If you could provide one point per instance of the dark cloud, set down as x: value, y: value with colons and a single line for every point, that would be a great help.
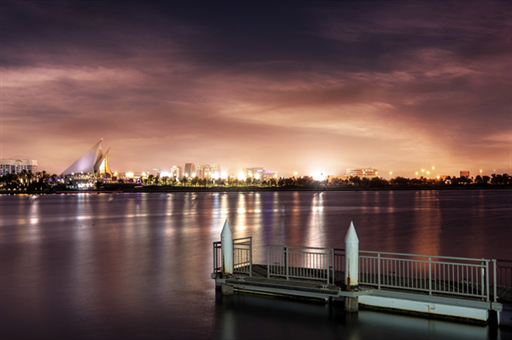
x: 290, y: 86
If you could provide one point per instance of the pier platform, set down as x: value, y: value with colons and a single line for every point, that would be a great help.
x: 471, y: 290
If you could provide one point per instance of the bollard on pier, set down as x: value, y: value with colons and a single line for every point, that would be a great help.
x: 227, y: 250
x: 351, y: 267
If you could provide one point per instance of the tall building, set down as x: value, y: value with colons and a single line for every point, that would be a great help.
x: 367, y: 172
x: 200, y: 170
x: 176, y: 171
x: 13, y: 165
x: 190, y: 170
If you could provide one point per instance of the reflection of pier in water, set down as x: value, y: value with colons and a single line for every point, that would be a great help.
x: 473, y: 289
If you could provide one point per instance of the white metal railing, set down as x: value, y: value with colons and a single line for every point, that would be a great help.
x: 242, y: 256
x: 432, y: 274
x: 300, y: 263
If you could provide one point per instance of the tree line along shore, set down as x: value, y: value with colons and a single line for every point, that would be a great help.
x: 42, y: 182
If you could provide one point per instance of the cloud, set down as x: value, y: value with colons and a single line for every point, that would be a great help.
x: 341, y: 84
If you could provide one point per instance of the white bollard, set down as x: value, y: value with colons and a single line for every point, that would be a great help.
x: 351, y: 257
x: 226, y: 238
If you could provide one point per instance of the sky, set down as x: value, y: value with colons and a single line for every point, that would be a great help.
x: 289, y: 86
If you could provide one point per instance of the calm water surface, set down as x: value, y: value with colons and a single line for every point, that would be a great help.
x: 138, y: 265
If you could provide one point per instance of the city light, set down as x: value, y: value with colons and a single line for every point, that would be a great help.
x: 257, y: 176
x: 224, y: 175
x: 319, y: 176
x: 165, y: 174
x: 241, y: 176
x: 130, y: 174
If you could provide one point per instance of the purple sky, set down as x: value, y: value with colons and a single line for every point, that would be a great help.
x: 293, y: 86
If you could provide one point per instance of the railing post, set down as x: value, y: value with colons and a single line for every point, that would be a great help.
x: 286, y: 262
x: 268, y: 262
x: 495, y: 291
x: 482, y: 274
x: 378, y: 269
x: 250, y: 256
x: 487, y: 279
x: 327, y: 252
x: 429, y: 275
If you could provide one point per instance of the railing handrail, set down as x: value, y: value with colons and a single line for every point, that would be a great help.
x: 283, y: 246
x: 428, y: 256
x: 238, y: 240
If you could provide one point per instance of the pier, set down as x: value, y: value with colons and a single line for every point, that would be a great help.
x: 476, y: 290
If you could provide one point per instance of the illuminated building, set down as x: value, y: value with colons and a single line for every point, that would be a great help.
x: 259, y: 173
x: 190, y: 169
x: 464, y: 174
x: 367, y: 172
x: 176, y: 171
x: 208, y: 171
x: 13, y: 165
x: 93, y: 162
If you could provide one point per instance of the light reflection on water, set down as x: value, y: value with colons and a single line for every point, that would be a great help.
x: 138, y: 265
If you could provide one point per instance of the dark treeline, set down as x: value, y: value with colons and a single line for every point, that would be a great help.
x: 26, y: 181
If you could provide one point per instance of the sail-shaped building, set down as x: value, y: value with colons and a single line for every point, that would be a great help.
x: 93, y: 162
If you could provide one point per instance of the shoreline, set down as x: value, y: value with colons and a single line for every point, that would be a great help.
x: 169, y: 189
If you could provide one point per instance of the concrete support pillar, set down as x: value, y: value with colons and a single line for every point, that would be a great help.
x: 227, y: 290
x: 351, y: 304
x: 226, y: 238
x: 351, y: 267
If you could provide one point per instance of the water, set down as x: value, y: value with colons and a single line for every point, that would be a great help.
x: 138, y: 265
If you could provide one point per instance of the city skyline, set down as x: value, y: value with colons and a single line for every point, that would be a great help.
x: 293, y: 87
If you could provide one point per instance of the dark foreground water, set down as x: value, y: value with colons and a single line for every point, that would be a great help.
x: 138, y: 265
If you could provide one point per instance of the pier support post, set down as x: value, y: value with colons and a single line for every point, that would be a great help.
x: 351, y: 267
x: 226, y: 238
x: 227, y: 290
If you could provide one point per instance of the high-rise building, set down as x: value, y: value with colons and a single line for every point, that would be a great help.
x: 367, y: 172
x: 200, y: 170
x: 13, y: 165
x: 176, y: 171
x: 190, y: 170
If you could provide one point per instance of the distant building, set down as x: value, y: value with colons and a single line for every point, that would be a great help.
x: 176, y: 171
x: 367, y: 172
x: 464, y: 173
x: 214, y: 171
x: 13, y: 165
x: 190, y: 170
x: 259, y: 173
x: 93, y: 162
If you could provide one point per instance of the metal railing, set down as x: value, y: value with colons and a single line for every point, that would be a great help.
x: 432, y: 274
x: 242, y: 256
x: 300, y: 263
x: 503, y: 279
x: 217, y: 257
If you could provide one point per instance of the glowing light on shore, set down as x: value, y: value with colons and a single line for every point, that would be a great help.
x: 130, y: 174
x: 241, y: 176
x: 224, y: 175
x: 319, y: 176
